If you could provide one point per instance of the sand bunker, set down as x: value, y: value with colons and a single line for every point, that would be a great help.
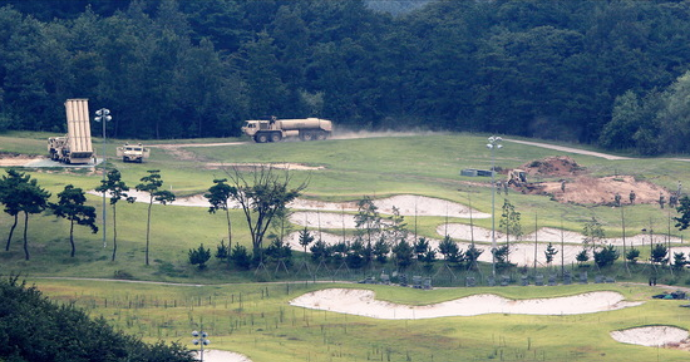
x: 281, y: 166
x: 521, y: 254
x: 212, y: 355
x: 545, y: 235
x: 407, y: 205
x: 362, y: 303
x: 652, y: 336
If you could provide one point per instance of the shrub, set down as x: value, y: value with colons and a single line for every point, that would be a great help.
x: 199, y: 256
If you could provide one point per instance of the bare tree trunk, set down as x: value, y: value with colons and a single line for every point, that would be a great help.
x: 26, y: 240
x: 9, y: 238
x: 227, y: 215
x: 71, y: 237
x: 114, y: 232
x: 148, y: 230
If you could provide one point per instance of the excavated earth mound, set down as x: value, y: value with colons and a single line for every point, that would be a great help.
x: 553, y: 167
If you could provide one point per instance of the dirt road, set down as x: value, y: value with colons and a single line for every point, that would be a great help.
x: 571, y: 150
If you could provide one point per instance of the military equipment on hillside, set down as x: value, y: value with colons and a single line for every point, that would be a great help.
x: 133, y: 153
x: 75, y: 146
x: 518, y: 179
x: 274, y: 130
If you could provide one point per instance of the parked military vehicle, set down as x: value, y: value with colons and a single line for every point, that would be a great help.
x: 275, y: 130
x: 75, y: 147
x: 133, y: 153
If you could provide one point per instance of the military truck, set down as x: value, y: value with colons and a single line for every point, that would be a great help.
x: 275, y: 130
x: 133, y: 153
x: 75, y: 147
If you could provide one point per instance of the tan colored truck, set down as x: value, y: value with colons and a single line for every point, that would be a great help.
x: 133, y: 153
x: 75, y: 147
x: 275, y: 130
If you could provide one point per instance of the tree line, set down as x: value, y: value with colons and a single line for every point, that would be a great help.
x: 609, y: 73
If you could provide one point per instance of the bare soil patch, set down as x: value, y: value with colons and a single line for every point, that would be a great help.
x: 575, y: 186
x: 588, y: 190
x: 554, y: 166
x: 11, y: 159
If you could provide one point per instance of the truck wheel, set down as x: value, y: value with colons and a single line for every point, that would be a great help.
x: 321, y: 136
x: 276, y: 137
x: 307, y: 136
x: 261, y: 138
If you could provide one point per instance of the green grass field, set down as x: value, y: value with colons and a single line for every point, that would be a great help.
x: 263, y: 325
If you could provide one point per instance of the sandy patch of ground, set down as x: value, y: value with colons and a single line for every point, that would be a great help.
x: 544, y: 235
x: 652, y: 336
x: 363, y: 303
x: 212, y: 355
x: 583, y: 189
x: 10, y: 159
x: 281, y: 166
x: 408, y: 205
x: 570, y: 150
x: 588, y: 190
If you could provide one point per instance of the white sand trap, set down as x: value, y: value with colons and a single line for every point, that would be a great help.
x: 544, y: 235
x: 280, y: 166
x: 650, y: 336
x: 212, y: 355
x: 361, y: 302
x: 407, y: 205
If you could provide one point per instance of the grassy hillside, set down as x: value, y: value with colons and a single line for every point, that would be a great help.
x: 426, y: 164
x: 255, y: 319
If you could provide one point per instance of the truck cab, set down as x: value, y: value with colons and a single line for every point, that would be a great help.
x: 251, y: 127
x: 263, y: 131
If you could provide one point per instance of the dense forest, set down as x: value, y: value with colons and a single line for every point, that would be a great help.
x: 35, y: 329
x: 609, y: 73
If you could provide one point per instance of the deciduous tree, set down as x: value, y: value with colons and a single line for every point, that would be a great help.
x: 510, y: 222
x: 262, y: 195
